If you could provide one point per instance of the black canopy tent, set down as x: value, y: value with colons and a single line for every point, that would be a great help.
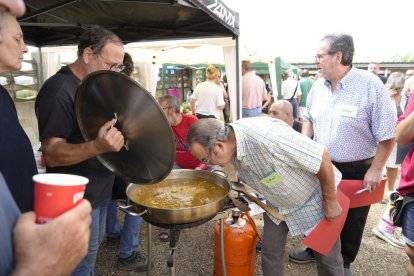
x: 54, y: 23
x: 57, y: 23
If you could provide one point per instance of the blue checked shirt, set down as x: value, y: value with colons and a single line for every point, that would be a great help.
x: 266, y: 146
x: 351, y: 121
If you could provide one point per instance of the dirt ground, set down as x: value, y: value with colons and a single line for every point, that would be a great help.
x: 194, y: 255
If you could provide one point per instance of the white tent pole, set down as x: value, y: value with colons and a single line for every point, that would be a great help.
x: 230, y: 62
x: 272, y: 73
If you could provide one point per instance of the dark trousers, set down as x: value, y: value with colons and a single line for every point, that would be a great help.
x: 202, y: 116
x: 294, y: 103
x: 351, y: 235
x: 273, y: 253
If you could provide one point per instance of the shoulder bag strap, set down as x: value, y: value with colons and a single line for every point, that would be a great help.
x: 294, y: 93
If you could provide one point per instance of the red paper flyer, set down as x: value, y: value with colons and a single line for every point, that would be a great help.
x: 325, y: 234
x: 350, y: 187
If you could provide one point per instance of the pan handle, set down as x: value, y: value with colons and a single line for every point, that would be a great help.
x: 220, y: 172
x: 125, y: 210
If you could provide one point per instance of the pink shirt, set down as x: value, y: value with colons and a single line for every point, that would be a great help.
x: 406, y: 185
x: 253, y: 91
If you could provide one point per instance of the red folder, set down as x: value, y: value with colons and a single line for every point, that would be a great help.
x: 326, y: 233
x: 350, y: 187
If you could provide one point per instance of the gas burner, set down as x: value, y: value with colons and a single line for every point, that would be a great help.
x: 179, y: 226
x: 175, y: 231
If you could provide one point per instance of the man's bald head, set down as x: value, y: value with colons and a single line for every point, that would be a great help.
x: 282, y: 110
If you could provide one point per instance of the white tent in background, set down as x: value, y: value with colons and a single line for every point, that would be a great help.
x: 150, y: 56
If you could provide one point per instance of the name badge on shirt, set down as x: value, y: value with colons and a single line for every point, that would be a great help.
x: 349, y: 111
x: 271, y: 180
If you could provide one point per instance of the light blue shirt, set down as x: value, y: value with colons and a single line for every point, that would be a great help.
x: 354, y: 118
x: 266, y: 146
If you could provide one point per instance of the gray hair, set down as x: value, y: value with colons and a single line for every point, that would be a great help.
x: 343, y: 43
x: 207, y: 132
x: 395, y: 81
x: 172, y: 102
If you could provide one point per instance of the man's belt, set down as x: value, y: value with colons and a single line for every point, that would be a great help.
x: 354, y: 164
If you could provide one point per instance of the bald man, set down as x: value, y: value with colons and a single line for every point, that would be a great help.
x: 283, y: 110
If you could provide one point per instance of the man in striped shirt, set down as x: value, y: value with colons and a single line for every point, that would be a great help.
x: 291, y: 171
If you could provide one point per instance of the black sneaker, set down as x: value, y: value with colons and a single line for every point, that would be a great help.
x: 303, y: 257
x: 135, y: 262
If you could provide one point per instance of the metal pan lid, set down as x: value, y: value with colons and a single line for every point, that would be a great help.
x: 150, y: 148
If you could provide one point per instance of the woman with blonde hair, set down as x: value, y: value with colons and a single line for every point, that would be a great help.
x: 208, y: 95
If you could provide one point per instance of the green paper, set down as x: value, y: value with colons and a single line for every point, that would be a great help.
x: 271, y: 180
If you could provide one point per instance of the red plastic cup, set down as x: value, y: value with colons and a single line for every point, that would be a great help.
x: 57, y: 193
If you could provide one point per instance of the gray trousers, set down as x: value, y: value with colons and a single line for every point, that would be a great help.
x: 273, y: 252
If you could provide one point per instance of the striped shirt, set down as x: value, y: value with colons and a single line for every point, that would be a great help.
x: 353, y: 119
x: 266, y: 146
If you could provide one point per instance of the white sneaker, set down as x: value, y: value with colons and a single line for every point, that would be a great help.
x: 392, y: 238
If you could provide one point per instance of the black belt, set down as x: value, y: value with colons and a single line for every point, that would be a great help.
x: 354, y: 164
x: 202, y: 116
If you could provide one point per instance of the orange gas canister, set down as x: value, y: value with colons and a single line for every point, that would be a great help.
x: 239, y: 247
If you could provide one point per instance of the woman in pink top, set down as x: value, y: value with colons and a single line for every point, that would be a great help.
x: 405, y: 135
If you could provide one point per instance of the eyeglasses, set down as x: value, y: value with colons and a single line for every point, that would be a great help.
x: 208, y: 159
x: 319, y: 56
x: 113, y: 66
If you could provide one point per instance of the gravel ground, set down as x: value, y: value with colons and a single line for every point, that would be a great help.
x: 195, y: 252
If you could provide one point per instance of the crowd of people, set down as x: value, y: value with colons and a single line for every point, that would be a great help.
x: 358, y: 133
x: 316, y: 134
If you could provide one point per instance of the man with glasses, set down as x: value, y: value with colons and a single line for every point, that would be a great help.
x: 291, y: 171
x: 180, y: 123
x: 351, y: 113
x: 63, y: 147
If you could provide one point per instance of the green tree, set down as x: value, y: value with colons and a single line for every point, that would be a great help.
x: 407, y: 58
